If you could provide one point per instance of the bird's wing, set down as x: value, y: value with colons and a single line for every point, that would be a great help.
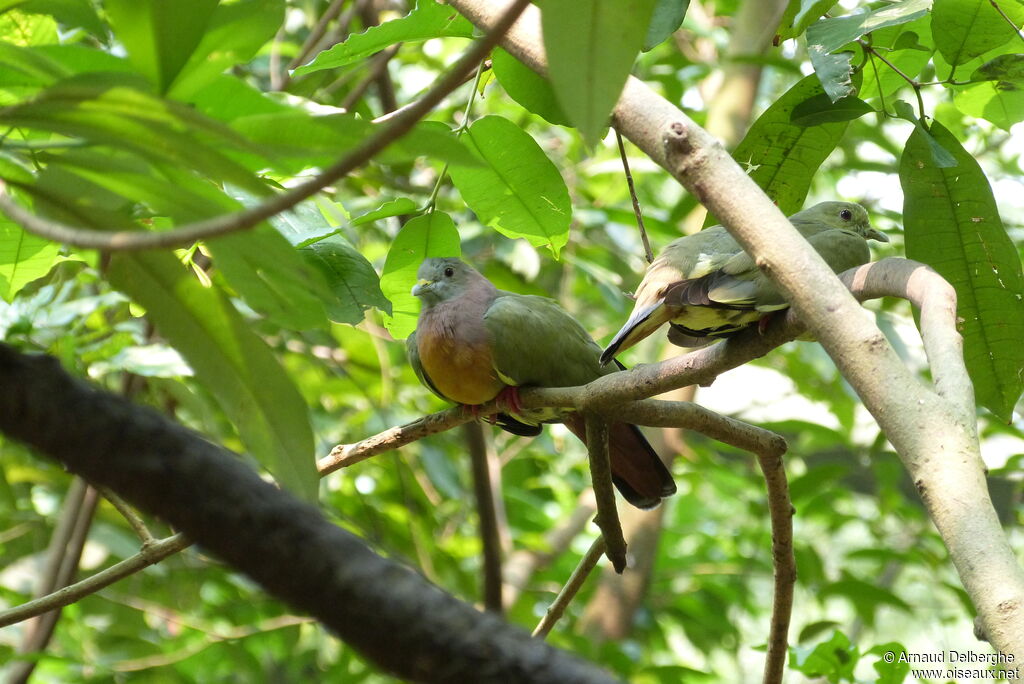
x: 536, y: 342
x: 412, y: 351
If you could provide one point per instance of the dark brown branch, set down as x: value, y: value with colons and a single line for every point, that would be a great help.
x: 490, y: 539
x: 387, y: 612
x: 604, y: 491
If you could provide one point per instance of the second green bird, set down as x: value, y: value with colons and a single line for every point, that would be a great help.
x: 706, y: 287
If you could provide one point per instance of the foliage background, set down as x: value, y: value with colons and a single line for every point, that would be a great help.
x: 122, y: 113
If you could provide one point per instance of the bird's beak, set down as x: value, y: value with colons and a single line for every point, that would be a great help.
x: 421, y: 286
x: 873, y: 234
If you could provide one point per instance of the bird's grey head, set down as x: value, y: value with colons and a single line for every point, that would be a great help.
x: 844, y: 215
x: 439, y: 279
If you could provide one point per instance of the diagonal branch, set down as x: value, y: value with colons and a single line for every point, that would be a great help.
x: 248, y: 218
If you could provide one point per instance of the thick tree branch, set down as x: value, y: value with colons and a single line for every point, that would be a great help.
x: 935, y: 436
x: 383, y: 609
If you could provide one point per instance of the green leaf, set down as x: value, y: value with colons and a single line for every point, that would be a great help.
x: 272, y: 277
x: 783, y: 156
x: 79, y: 13
x: 951, y: 223
x: 591, y: 46
x: 835, y: 659
x: 235, y: 33
x: 1000, y: 102
x: 1005, y: 68
x: 160, y: 36
x: 800, y: 14
x: 964, y: 29
x: 821, y: 109
x: 666, y: 19
x: 430, y: 235
x: 828, y: 35
x: 395, y: 207
x: 940, y: 156
x: 891, y: 669
x: 519, y: 192
x: 908, y: 47
x: 427, y: 20
x: 350, y: 277
x: 230, y: 360
x: 23, y: 257
x: 528, y: 88
x: 835, y: 73
x: 21, y: 28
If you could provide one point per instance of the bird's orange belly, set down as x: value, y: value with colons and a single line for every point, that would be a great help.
x: 462, y: 373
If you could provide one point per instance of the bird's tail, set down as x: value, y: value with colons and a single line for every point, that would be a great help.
x: 642, y: 322
x: 637, y: 471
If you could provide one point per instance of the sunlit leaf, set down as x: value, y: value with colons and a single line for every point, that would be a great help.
x: 429, y: 235
x: 591, y: 46
x: 519, y: 192
x: 350, y: 276
x: 231, y: 361
x: 528, y: 88
x: 964, y: 29
x: 428, y: 19
x: 23, y: 257
x: 666, y: 19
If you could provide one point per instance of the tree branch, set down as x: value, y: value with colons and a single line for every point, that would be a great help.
x: 572, y: 586
x: 388, y: 613
x: 395, y: 128
x: 604, y: 492
x: 487, y: 515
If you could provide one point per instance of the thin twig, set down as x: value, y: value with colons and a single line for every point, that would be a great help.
x: 129, y: 514
x: 248, y: 218
x: 378, y: 65
x: 648, y: 254
x: 149, y: 555
x: 485, y: 496
x: 604, y: 491
x: 1016, y: 29
x: 780, y: 512
x: 572, y: 586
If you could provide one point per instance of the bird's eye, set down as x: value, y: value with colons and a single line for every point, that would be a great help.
x: 449, y: 272
x: 846, y: 214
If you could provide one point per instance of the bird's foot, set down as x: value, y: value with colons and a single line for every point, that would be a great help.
x: 475, y: 411
x: 508, y: 400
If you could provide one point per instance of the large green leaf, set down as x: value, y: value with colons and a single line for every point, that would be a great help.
x: 828, y: 35
x: 908, y: 47
x: 964, y: 29
x: 519, y: 192
x: 23, y: 257
x: 591, y: 46
x: 951, y: 223
x: 123, y: 117
x: 527, y: 87
x: 800, y: 14
x: 160, y: 36
x: 69, y: 12
x: 666, y: 19
x: 430, y: 235
x: 236, y: 32
x: 427, y: 20
x: 783, y: 156
x: 1000, y: 102
x: 350, y: 276
x: 230, y: 360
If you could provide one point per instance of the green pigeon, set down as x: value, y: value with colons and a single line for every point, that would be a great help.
x: 474, y: 343
x: 706, y: 287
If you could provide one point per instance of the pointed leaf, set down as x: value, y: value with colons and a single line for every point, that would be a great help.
x: 964, y: 29
x: 591, y: 46
x: 427, y: 20
x: 230, y: 360
x: 821, y: 109
x: 666, y: 19
x: 519, y: 192
x: 829, y: 35
x: 783, y: 156
x: 23, y: 257
x: 395, y: 207
x: 160, y: 36
x: 953, y: 225
x: 528, y: 88
x: 350, y: 277
x: 430, y: 235
x: 800, y: 14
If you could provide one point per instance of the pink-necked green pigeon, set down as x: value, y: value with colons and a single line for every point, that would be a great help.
x: 706, y: 287
x: 474, y: 342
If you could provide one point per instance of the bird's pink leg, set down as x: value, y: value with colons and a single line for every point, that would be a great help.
x: 509, y: 399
